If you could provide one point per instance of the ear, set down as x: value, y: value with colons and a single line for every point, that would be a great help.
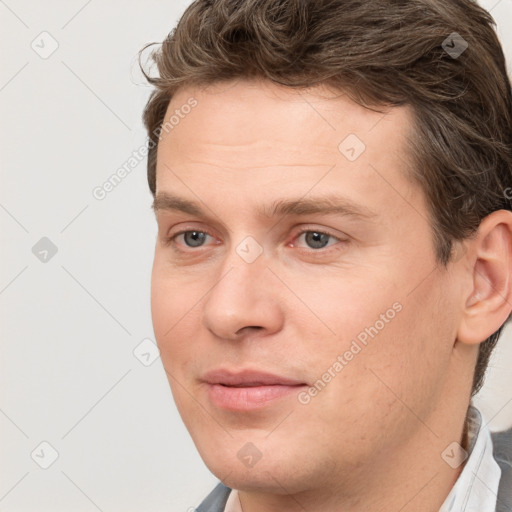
x: 490, y: 300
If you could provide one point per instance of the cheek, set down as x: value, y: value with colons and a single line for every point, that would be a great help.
x: 405, y: 363
x: 353, y: 307
x: 163, y: 303
x: 174, y: 295
x: 174, y: 320
x: 386, y: 344
x: 174, y: 310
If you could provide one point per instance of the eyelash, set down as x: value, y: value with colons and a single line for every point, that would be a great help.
x: 171, y: 240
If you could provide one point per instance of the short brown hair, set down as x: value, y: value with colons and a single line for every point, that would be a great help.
x: 382, y: 53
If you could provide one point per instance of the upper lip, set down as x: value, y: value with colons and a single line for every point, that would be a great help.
x: 248, y: 378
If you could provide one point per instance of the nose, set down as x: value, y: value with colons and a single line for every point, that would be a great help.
x: 244, y: 301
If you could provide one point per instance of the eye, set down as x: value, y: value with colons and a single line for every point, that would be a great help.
x: 317, y: 239
x: 191, y: 238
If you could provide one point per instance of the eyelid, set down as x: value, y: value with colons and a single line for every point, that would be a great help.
x: 323, y: 231
x: 179, y: 228
x: 171, y: 238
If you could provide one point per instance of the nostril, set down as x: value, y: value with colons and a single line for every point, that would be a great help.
x: 249, y: 327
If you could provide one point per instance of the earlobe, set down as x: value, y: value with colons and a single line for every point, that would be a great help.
x: 490, y: 301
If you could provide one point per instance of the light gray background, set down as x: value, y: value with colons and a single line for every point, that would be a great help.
x: 70, y: 325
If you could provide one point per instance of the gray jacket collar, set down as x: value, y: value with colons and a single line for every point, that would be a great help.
x: 502, y: 448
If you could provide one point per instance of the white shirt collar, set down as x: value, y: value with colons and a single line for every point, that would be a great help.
x: 233, y: 503
x: 476, y: 488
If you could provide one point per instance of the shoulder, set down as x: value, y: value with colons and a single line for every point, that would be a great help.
x: 216, y: 500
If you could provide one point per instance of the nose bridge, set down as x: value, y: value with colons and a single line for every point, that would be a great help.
x: 244, y: 267
x: 239, y: 283
x: 243, y: 295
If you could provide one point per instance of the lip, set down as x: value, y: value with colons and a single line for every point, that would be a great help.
x: 248, y: 390
x: 248, y: 378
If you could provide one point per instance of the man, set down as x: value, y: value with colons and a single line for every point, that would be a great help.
x: 333, y: 263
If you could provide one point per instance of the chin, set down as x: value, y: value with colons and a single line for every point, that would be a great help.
x: 275, y: 471
x: 258, y: 479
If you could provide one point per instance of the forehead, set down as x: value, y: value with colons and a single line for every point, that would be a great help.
x: 311, y: 123
x: 241, y: 135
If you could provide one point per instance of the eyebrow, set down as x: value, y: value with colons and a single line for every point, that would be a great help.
x: 284, y: 207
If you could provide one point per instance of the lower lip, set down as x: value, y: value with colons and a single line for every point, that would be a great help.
x: 248, y: 398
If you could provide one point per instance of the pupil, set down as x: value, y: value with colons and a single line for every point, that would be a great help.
x: 194, y: 238
x: 317, y: 240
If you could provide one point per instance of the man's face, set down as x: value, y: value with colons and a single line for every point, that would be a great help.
x: 302, y: 319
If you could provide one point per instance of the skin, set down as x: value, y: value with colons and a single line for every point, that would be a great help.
x: 372, y: 438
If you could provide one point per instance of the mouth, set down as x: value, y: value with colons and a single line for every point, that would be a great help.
x: 248, y: 390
